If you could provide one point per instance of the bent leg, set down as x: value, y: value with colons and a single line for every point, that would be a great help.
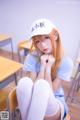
x: 55, y: 108
x: 39, y: 100
x: 24, y: 93
x: 43, y: 102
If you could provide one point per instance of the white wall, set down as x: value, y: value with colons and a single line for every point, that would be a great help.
x: 16, y: 17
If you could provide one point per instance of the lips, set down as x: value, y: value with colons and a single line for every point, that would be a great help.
x: 46, y: 49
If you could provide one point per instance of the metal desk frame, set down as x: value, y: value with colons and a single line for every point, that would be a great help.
x: 9, y: 71
x: 4, y: 40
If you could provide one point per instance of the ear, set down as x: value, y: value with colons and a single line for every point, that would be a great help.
x: 56, y: 35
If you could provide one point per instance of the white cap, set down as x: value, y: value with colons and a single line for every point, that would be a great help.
x: 41, y: 27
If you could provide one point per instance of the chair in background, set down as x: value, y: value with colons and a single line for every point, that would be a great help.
x: 75, y: 85
x: 24, y: 45
x: 13, y: 107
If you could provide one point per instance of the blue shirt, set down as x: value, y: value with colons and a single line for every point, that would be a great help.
x: 32, y: 64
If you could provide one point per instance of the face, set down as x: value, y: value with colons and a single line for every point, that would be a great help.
x: 44, y: 44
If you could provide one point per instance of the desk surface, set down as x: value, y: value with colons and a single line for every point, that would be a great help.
x: 4, y: 37
x: 8, y: 67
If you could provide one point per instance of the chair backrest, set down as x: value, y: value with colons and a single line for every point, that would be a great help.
x: 12, y: 100
x: 14, y: 112
x: 25, y: 46
x: 3, y: 99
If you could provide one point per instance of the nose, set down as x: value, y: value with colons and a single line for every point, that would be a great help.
x: 43, y: 44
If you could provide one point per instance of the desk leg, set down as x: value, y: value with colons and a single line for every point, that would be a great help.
x: 15, y: 75
x: 19, y: 56
x: 12, y: 50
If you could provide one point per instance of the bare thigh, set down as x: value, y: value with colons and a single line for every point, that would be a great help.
x: 57, y: 116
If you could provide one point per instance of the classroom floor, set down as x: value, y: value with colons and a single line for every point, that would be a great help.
x: 74, y: 107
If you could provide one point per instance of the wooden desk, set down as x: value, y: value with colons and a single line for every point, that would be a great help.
x: 8, y: 69
x: 26, y: 46
x: 4, y: 40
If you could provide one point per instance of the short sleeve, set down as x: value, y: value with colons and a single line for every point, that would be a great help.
x: 30, y: 63
x: 65, y: 69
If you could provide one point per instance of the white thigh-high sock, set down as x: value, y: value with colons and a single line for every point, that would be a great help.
x: 53, y: 105
x: 24, y: 93
x: 39, y: 100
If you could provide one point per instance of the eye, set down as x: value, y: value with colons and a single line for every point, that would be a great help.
x: 47, y: 37
x: 37, y: 41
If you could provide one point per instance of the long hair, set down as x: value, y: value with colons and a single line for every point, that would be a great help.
x: 57, y: 51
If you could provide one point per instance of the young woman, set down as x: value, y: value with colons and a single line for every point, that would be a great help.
x: 40, y: 94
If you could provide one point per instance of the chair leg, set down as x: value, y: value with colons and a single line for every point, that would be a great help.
x: 75, y: 85
x: 70, y: 90
x: 78, y: 82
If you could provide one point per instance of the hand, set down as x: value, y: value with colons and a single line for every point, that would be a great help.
x: 44, y: 59
x: 51, y: 60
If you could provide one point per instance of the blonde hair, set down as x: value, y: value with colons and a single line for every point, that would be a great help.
x: 57, y: 51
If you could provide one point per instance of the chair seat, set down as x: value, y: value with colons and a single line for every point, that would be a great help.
x: 3, y: 98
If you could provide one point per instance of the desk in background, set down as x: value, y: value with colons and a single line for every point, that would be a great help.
x: 4, y: 40
x: 8, y: 70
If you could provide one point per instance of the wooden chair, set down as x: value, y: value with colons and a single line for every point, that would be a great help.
x: 14, y: 113
x: 74, y: 87
x: 13, y: 107
x: 24, y: 45
x: 3, y: 99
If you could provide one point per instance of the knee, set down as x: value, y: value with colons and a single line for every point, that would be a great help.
x: 24, y: 83
x: 42, y: 84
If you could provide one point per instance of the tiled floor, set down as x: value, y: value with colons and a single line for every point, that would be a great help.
x: 74, y: 108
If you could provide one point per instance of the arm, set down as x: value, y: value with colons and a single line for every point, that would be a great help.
x: 30, y: 67
x: 56, y: 84
x: 48, y: 70
x: 33, y: 75
x: 48, y: 75
x: 41, y: 74
x: 63, y: 73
